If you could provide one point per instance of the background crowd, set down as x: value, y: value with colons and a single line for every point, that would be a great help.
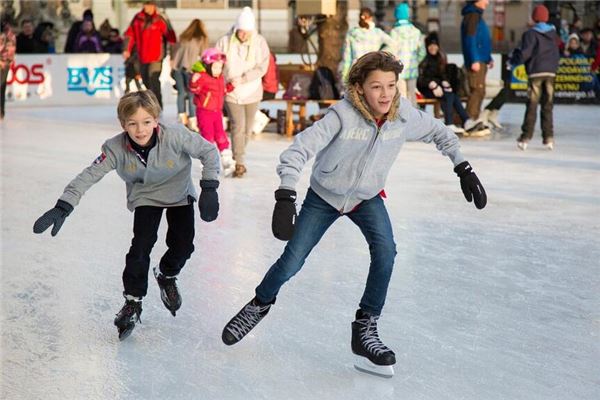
x: 249, y: 66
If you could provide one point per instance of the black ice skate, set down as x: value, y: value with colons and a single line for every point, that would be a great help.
x: 128, y: 316
x: 168, y: 290
x: 374, y: 357
x: 244, y: 321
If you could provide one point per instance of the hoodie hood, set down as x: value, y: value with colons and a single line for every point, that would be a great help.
x: 360, y: 104
x: 543, y: 27
x: 471, y: 8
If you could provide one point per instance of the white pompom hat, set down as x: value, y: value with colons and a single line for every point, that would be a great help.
x: 246, y: 20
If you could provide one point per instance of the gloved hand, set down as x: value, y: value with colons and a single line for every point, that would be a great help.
x: 209, y: 200
x: 284, y: 214
x: 447, y: 87
x: 436, y: 89
x: 55, y: 216
x: 470, y: 185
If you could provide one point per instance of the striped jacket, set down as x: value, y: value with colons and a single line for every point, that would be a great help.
x: 408, y: 48
x: 358, y: 42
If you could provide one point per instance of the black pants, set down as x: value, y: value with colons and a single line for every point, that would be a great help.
x: 3, y: 79
x: 150, y: 74
x: 498, y: 101
x: 541, y: 91
x: 180, y: 243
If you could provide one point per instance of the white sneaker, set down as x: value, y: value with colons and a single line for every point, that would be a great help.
x: 456, y: 129
x: 193, y: 124
x: 492, y: 119
x: 549, y: 146
x: 228, y: 162
x: 522, y: 145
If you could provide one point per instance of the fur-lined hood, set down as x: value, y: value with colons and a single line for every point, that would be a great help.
x: 358, y: 101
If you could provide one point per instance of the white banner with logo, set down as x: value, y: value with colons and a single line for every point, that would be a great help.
x: 72, y: 79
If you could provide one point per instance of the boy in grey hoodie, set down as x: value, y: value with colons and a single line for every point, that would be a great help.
x: 355, y: 145
x: 155, y: 162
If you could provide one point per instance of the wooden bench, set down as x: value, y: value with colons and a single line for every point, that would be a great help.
x: 298, y: 107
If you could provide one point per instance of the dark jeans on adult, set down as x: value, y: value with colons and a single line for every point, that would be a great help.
x: 451, y: 102
x: 315, y: 217
x: 184, y: 95
x: 540, y: 91
x: 476, y: 90
x: 3, y: 80
x: 241, y: 117
x: 498, y: 101
x: 180, y: 243
x: 150, y: 76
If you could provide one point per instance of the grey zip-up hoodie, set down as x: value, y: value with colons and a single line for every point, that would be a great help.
x: 353, y: 155
x: 164, y: 181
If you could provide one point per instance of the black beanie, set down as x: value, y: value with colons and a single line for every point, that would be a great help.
x: 432, y: 38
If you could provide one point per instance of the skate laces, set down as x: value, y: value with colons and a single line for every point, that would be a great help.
x: 246, y: 320
x: 130, y: 309
x: 370, y: 336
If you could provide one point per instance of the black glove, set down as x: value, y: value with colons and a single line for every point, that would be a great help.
x: 209, y: 200
x: 470, y: 185
x: 284, y: 214
x: 55, y: 216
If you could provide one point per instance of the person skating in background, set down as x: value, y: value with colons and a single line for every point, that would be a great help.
x: 408, y: 47
x: 362, y: 39
x: 477, y: 52
x: 209, y: 89
x: 433, y: 82
x: 8, y: 47
x: 155, y: 161
x: 192, y: 42
x: 148, y: 32
x: 247, y: 62
x: 347, y: 180
x: 540, y: 53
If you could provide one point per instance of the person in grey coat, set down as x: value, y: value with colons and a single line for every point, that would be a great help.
x: 155, y: 161
x: 355, y: 145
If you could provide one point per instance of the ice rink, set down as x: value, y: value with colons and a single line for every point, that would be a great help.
x: 502, y: 303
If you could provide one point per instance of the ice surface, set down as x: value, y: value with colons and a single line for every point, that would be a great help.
x: 502, y: 303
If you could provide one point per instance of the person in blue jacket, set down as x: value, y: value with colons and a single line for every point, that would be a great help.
x: 355, y: 145
x: 477, y: 52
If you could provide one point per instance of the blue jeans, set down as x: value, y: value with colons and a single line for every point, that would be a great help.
x: 316, y: 216
x: 182, y: 84
x: 451, y: 102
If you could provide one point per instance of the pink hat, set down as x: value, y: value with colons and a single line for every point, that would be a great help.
x: 212, y: 55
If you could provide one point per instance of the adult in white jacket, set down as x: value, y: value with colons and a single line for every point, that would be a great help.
x: 247, y: 62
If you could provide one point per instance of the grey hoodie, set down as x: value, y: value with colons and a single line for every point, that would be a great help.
x: 353, y: 155
x: 165, y: 181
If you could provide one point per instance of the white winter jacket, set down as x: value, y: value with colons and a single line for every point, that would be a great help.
x: 248, y: 61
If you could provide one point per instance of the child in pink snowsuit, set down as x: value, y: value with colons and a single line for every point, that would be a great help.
x: 209, y: 88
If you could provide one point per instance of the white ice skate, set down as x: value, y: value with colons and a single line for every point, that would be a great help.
x: 228, y: 162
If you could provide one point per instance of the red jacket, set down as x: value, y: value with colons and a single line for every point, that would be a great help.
x: 209, y: 92
x: 270, y: 81
x: 148, y: 32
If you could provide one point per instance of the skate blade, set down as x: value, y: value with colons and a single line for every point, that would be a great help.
x: 363, y: 364
x: 124, y: 333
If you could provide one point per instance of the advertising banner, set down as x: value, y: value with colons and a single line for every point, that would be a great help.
x: 575, y: 82
x: 71, y: 79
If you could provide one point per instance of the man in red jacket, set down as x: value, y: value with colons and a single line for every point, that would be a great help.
x: 149, y: 31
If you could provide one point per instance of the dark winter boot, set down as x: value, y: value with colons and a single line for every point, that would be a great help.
x: 130, y: 314
x: 244, y: 321
x: 374, y: 356
x: 168, y: 290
